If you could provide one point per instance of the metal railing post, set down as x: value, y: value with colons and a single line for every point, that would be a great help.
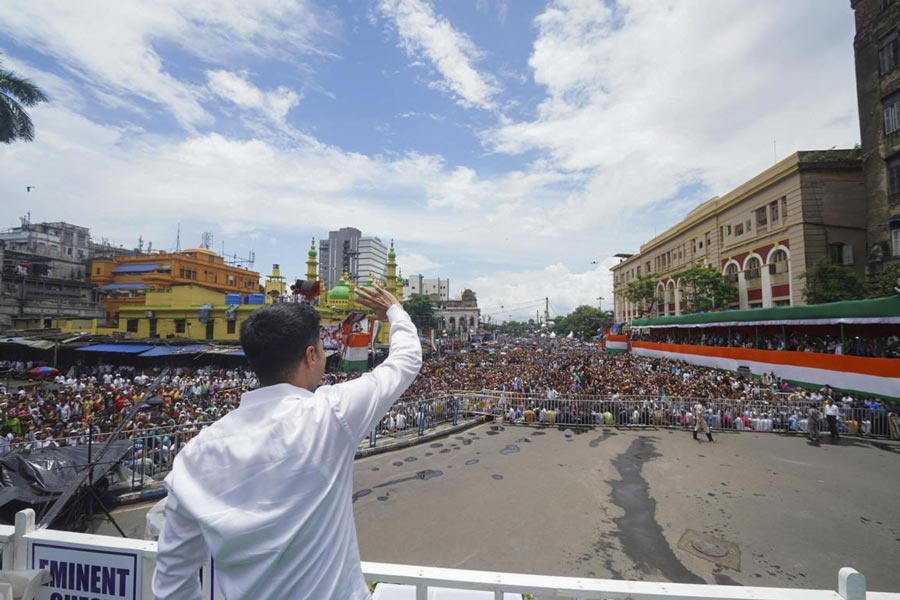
x: 372, y: 437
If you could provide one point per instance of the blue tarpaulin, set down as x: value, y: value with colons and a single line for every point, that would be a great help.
x: 123, y: 286
x: 176, y: 350
x: 119, y: 348
x: 137, y: 268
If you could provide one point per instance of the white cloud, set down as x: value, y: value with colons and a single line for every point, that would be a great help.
x: 653, y: 96
x: 115, y: 46
x: 516, y: 295
x: 237, y: 89
x: 451, y: 52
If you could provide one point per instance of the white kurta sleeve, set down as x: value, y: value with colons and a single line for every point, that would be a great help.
x: 181, y: 552
x: 362, y: 402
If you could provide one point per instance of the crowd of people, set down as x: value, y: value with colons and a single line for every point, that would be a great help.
x: 873, y: 346
x: 558, y: 381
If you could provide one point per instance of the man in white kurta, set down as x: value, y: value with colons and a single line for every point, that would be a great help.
x: 267, y: 490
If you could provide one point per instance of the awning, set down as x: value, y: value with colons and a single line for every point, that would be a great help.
x: 116, y: 348
x: 175, y: 350
x: 229, y: 350
x: 137, y: 268
x: 39, y: 344
x: 123, y: 286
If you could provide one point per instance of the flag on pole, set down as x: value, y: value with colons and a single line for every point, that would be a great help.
x: 374, y: 330
x: 356, y: 353
x: 347, y: 325
x: 431, y: 339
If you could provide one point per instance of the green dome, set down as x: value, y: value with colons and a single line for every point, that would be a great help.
x: 312, y: 253
x: 340, y: 292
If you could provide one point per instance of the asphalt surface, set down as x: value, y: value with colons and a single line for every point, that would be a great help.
x: 652, y: 505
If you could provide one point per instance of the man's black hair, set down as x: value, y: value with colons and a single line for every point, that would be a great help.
x: 275, y: 338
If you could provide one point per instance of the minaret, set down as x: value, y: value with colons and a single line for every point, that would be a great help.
x: 399, y: 285
x: 391, y: 276
x: 312, y: 265
x: 275, y: 285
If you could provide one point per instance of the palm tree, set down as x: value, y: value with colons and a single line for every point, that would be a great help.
x: 14, y: 93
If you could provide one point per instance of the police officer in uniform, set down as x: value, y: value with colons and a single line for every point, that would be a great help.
x: 700, y: 420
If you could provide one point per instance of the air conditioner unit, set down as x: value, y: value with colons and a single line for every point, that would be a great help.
x: 148, y: 314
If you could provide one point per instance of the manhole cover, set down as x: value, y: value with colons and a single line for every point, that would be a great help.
x: 709, y: 548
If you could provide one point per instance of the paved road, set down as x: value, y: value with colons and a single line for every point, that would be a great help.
x: 751, y: 509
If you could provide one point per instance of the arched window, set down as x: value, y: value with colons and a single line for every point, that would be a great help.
x: 778, y: 262
x: 731, y: 273
x: 751, y: 268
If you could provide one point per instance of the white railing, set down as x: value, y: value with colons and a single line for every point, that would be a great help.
x: 82, y: 562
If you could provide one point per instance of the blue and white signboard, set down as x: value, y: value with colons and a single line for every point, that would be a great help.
x: 87, y: 572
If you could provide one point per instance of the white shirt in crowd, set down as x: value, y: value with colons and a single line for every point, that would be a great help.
x: 275, y: 509
x: 831, y: 410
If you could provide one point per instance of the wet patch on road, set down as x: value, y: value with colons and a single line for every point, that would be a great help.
x: 446, y: 451
x: 361, y: 494
x: 510, y: 449
x: 538, y: 433
x: 436, y: 445
x: 397, y: 463
x: 641, y: 536
x: 596, y: 442
x: 419, y: 476
x: 376, y: 469
x: 410, y: 459
x: 472, y: 461
x: 497, y: 477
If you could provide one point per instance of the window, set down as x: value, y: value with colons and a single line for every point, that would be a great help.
x: 131, y: 325
x: 751, y: 268
x: 887, y: 53
x: 840, y: 253
x: 893, y: 175
x: 748, y: 225
x: 180, y: 326
x: 98, y: 270
x: 739, y: 229
x: 761, y: 217
x: 891, y: 113
x: 773, y: 209
x: 231, y: 326
x: 778, y: 262
x: 731, y: 273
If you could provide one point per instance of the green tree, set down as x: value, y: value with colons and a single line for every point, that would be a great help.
x: 516, y: 328
x: 890, y: 281
x: 421, y: 311
x: 830, y: 282
x: 16, y: 92
x: 642, y: 292
x: 704, y: 289
x: 585, y: 322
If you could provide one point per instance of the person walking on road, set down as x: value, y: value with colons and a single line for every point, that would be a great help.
x: 831, y: 415
x: 813, y: 415
x: 700, y: 423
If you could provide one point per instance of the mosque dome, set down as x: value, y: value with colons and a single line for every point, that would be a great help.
x: 342, y: 290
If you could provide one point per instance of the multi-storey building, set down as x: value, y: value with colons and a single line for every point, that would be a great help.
x: 762, y: 235
x: 58, y: 249
x: 436, y: 289
x: 371, y: 260
x: 339, y: 254
x: 125, y: 279
x: 37, y: 298
x: 877, y: 49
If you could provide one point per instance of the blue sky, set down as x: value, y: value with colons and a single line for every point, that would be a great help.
x: 512, y: 146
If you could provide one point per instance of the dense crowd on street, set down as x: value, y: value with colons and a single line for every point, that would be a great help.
x: 550, y: 381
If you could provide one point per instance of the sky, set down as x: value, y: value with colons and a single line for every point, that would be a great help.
x: 512, y: 146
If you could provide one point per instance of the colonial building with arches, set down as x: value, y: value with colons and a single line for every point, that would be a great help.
x: 761, y: 236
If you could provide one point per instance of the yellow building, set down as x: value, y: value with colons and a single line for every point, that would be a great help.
x: 197, y: 312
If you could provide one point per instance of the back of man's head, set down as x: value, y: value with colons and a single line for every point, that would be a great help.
x: 275, y: 338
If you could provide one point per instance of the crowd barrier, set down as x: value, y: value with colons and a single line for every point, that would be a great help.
x: 154, y: 449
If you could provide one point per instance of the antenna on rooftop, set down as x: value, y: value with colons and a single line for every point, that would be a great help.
x: 236, y: 261
x: 178, y: 239
x: 206, y: 240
